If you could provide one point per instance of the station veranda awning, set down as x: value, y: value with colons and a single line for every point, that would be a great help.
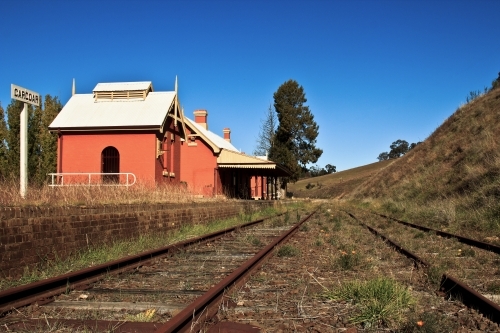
x: 228, y: 159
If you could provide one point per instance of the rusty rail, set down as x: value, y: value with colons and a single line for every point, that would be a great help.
x: 203, y: 308
x: 41, y: 292
x: 416, y: 259
x: 465, y: 240
x: 471, y: 298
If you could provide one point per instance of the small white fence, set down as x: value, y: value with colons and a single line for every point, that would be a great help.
x: 92, y: 179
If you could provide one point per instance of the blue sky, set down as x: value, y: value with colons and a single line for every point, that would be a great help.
x: 373, y: 71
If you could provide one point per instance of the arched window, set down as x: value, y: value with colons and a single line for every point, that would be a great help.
x: 110, y: 163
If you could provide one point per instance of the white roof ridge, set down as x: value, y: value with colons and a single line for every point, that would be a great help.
x: 123, y: 86
x: 217, y: 140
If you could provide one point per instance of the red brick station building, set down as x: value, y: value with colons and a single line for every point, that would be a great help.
x: 128, y: 128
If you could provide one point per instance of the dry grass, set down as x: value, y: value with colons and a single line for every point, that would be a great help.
x: 335, y: 185
x: 452, y: 178
x: 96, y: 195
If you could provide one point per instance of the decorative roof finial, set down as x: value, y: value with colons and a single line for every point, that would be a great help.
x: 176, y: 85
x: 73, y: 90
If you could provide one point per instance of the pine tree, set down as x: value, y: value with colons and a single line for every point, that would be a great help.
x: 13, y: 138
x: 267, y: 133
x: 34, y: 152
x: 47, y: 140
x: 295, y: 144
x: 3, y: 145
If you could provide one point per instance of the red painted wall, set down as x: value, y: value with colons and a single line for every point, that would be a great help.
x: 81, y: 152
x: 198, y: 166
x: 170, y: 159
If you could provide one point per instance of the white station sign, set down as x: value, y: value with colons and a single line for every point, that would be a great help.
x: 24, y: 95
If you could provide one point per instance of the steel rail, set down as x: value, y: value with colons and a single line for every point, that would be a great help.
x: 416, y: 259
x: 465, y: 240
x: 452, y: 286
x: 42, y: 292
x: 471, y: 298
x: 206, y: 306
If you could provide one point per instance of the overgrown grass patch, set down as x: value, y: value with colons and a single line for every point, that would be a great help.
x: 380, y: 302
x: 318, y: 242
x: 336, y: 222
x: 434, y: 274
x: 288, y: 250
x: 304, y: 227
x: 255, y: 241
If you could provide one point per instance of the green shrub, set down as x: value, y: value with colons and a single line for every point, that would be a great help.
x: 288, y: 251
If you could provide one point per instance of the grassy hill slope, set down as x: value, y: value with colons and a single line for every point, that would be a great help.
x: 335, y: 185
x: 453, y: 177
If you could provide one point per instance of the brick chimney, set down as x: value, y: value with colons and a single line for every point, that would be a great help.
x: 200, y: 117
x: 227, y: 134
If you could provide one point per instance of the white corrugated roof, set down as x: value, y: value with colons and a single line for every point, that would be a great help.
x: 82, y: 111
x: 123, y: 86
x: 216, y: 140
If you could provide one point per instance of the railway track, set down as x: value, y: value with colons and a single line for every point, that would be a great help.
x: 461, y: 265
x: 172, y: 289
x: 286, y: 294
x: 295, y: 291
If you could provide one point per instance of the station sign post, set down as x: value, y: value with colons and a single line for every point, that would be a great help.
x: 28, y: 97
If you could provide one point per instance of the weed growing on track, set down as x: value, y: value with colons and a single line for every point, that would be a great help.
x: 254, y: 240
x: 493, y: 287
x: 380, y: 301
x: 288, y: 250
x: 277, y: 222
x: 434, y: 274
x: 287, y: 217
x: 144, y: 317
x: 336, y: 222
x: 348, y: 260
x: 467, y: 252
x: 107, y: 252
x: 419, y: 234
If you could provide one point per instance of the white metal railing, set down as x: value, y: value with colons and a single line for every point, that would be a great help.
x: 58, y: 179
